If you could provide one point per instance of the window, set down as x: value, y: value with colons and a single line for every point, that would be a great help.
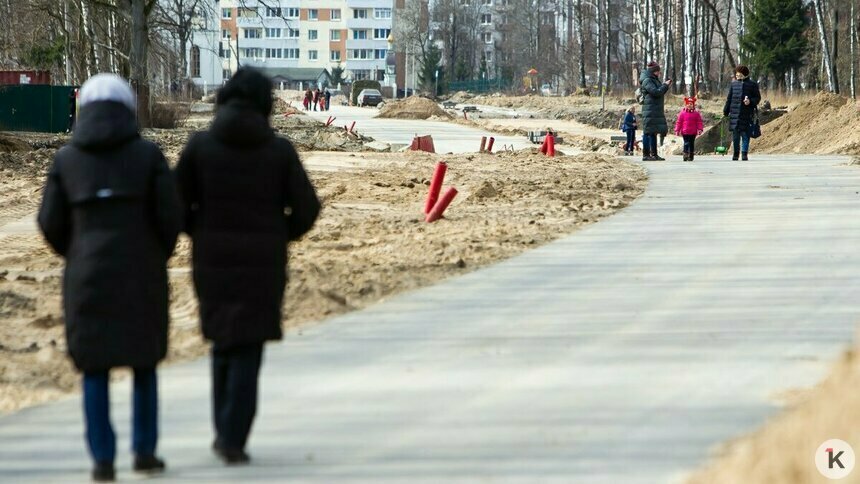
x: 225, y: 74
x: 272, y: 33
x: 292, y: 13
x: 381, y: 34
x: 359, y: 35
x: 226, y: 53
x: 488, y: 55
x: 252, y: 52
x: 195, y: 61
x: 253, y: 33
x: 380, y: 75
x: 335, y: 56
x: 273, y: 12
x: 380, y: 53
x: 361, y: 75
x: 226, y: 34
x: 292, y: 33
x: 313, y: 14
x: 312, y: 55
x: 247, y: 12
x: 487, y: 37
x: 274, y: 54
x: 335, y: 36
x: 360, y: 54
x: 381, y: 13
x: 291, y: 53
x: 359, y: 13
x: 313, y: 35
x: 227, y: 13
x: 488, y: 3
x: 335, y: 14
x: 486, y: 19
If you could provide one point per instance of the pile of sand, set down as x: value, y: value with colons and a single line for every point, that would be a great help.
x: 283, y: 107
x: 371, y: 242
x: 824, y: 124
x: 412, y: 108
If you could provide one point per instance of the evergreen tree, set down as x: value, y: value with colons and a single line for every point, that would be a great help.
x: 775, y: 40
x: 427, y: 73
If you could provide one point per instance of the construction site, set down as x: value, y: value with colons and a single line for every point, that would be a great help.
x: 373, y: 247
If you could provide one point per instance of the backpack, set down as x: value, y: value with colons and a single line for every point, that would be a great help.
x: 640, y: 95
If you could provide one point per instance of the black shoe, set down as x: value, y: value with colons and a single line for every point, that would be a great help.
x: 231, y: 457
x: 691, y: 157
x: 647, y: 158
x: 686, y: 156
x: 735, y: 156
x: 104, y: 473
x: 744, y: 157
x: 148, y: 464
x: 658, y: 158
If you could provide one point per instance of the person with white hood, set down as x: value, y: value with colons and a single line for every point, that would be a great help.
x: 110, y: 208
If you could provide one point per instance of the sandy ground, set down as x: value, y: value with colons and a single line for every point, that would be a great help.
x: 782, y: 450
x: 370, y: 243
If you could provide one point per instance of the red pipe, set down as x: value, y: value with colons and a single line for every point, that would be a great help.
x: 490, y: 144
x: 435, y: 186
x: 550, y: 145
x: 351, y: 127
x: 483, y: 144
x: 441, y: 205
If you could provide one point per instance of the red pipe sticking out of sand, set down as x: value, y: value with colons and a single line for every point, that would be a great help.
x: 441, y: 205
x: 435, y: 186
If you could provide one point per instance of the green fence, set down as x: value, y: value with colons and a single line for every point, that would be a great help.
x: 480, y: 86
x: 37, y: 108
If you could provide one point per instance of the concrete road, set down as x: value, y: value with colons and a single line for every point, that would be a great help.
x: 447, y: 137
x: 622, y: 353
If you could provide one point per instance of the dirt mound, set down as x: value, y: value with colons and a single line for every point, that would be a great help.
x: 10, y: 143
x: 412, y: 108
x: 308, y: 134
x: 599, y: 119
x: 284, y: 107
x: 826, y: 123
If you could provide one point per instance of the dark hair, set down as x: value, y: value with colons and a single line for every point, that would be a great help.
x: 743, y: 70
x: 251, y: 86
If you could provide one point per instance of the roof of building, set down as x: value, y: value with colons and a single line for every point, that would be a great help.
x: 296, y: 73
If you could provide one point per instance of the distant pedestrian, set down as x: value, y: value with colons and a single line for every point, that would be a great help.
x: 653, y: 110
x: 628, y: 126
x: 73, y: 109
x: 309, y: 96
x: 110, y: 208
x: 327, y: 100
x: 689, y: 125
x: 741, y: 104
x: 245, y: 196
x: 316, y: 98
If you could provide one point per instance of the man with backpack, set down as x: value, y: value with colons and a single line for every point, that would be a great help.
x: 651, y: 94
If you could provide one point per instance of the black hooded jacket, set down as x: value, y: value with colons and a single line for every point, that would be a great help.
x: 110, y: 208
x: 245, y: 196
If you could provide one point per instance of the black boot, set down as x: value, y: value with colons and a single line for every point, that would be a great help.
x: 104, y: 473
x: 692, y: 155
x: 229, y: 456
x: 655, y: 156
x: 148, y: 464
x: 736, y: 155
x: 744, y: 156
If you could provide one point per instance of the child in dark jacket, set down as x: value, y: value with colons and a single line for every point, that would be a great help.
x: 689, y: 125
x: 628, y: 126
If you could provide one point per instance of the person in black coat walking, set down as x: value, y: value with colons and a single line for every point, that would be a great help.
x: 741, y: 103
x: 110, y: 208
x: 245, y: 196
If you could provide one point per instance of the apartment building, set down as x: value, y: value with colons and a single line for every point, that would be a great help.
x: 294, y: 41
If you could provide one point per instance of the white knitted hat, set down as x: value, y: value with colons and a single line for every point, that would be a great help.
x: 107, y: 87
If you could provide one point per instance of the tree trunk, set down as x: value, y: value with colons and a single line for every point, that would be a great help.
x: 740, y: 24
x: 852, y: 37
x: 580, y: 38
x: 607, y: 45
x: 825, y: 47
x: 139, y: 75
x: 834, y: 25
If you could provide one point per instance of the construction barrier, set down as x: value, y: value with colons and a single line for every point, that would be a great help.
x: 423, y: 143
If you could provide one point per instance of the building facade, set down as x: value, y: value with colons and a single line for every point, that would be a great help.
x: 296, y: 39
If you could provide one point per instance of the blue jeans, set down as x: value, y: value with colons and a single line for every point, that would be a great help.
x: 649, y: 144
x: 631, y: 140
x: 742, y: 139
x: 100, y: 435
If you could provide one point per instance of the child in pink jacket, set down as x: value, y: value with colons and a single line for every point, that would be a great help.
x: 689, y: 125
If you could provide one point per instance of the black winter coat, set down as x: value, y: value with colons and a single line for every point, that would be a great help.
x: 739, y: 113
x: 246, y: 196
x: 110, y: 208
x: 653, y: 115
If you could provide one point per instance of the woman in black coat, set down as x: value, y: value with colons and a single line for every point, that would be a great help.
x: 741, y: 103
x: 110, y: 208
x: 245, y: 196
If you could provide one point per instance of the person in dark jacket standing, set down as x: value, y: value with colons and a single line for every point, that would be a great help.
x: 653, y: 110
x: 316, y: 98
x: 628, y: 126
x: 327, y: 99
x: 741, y: 104
x: 110, y: 208
x: 245, y: 196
